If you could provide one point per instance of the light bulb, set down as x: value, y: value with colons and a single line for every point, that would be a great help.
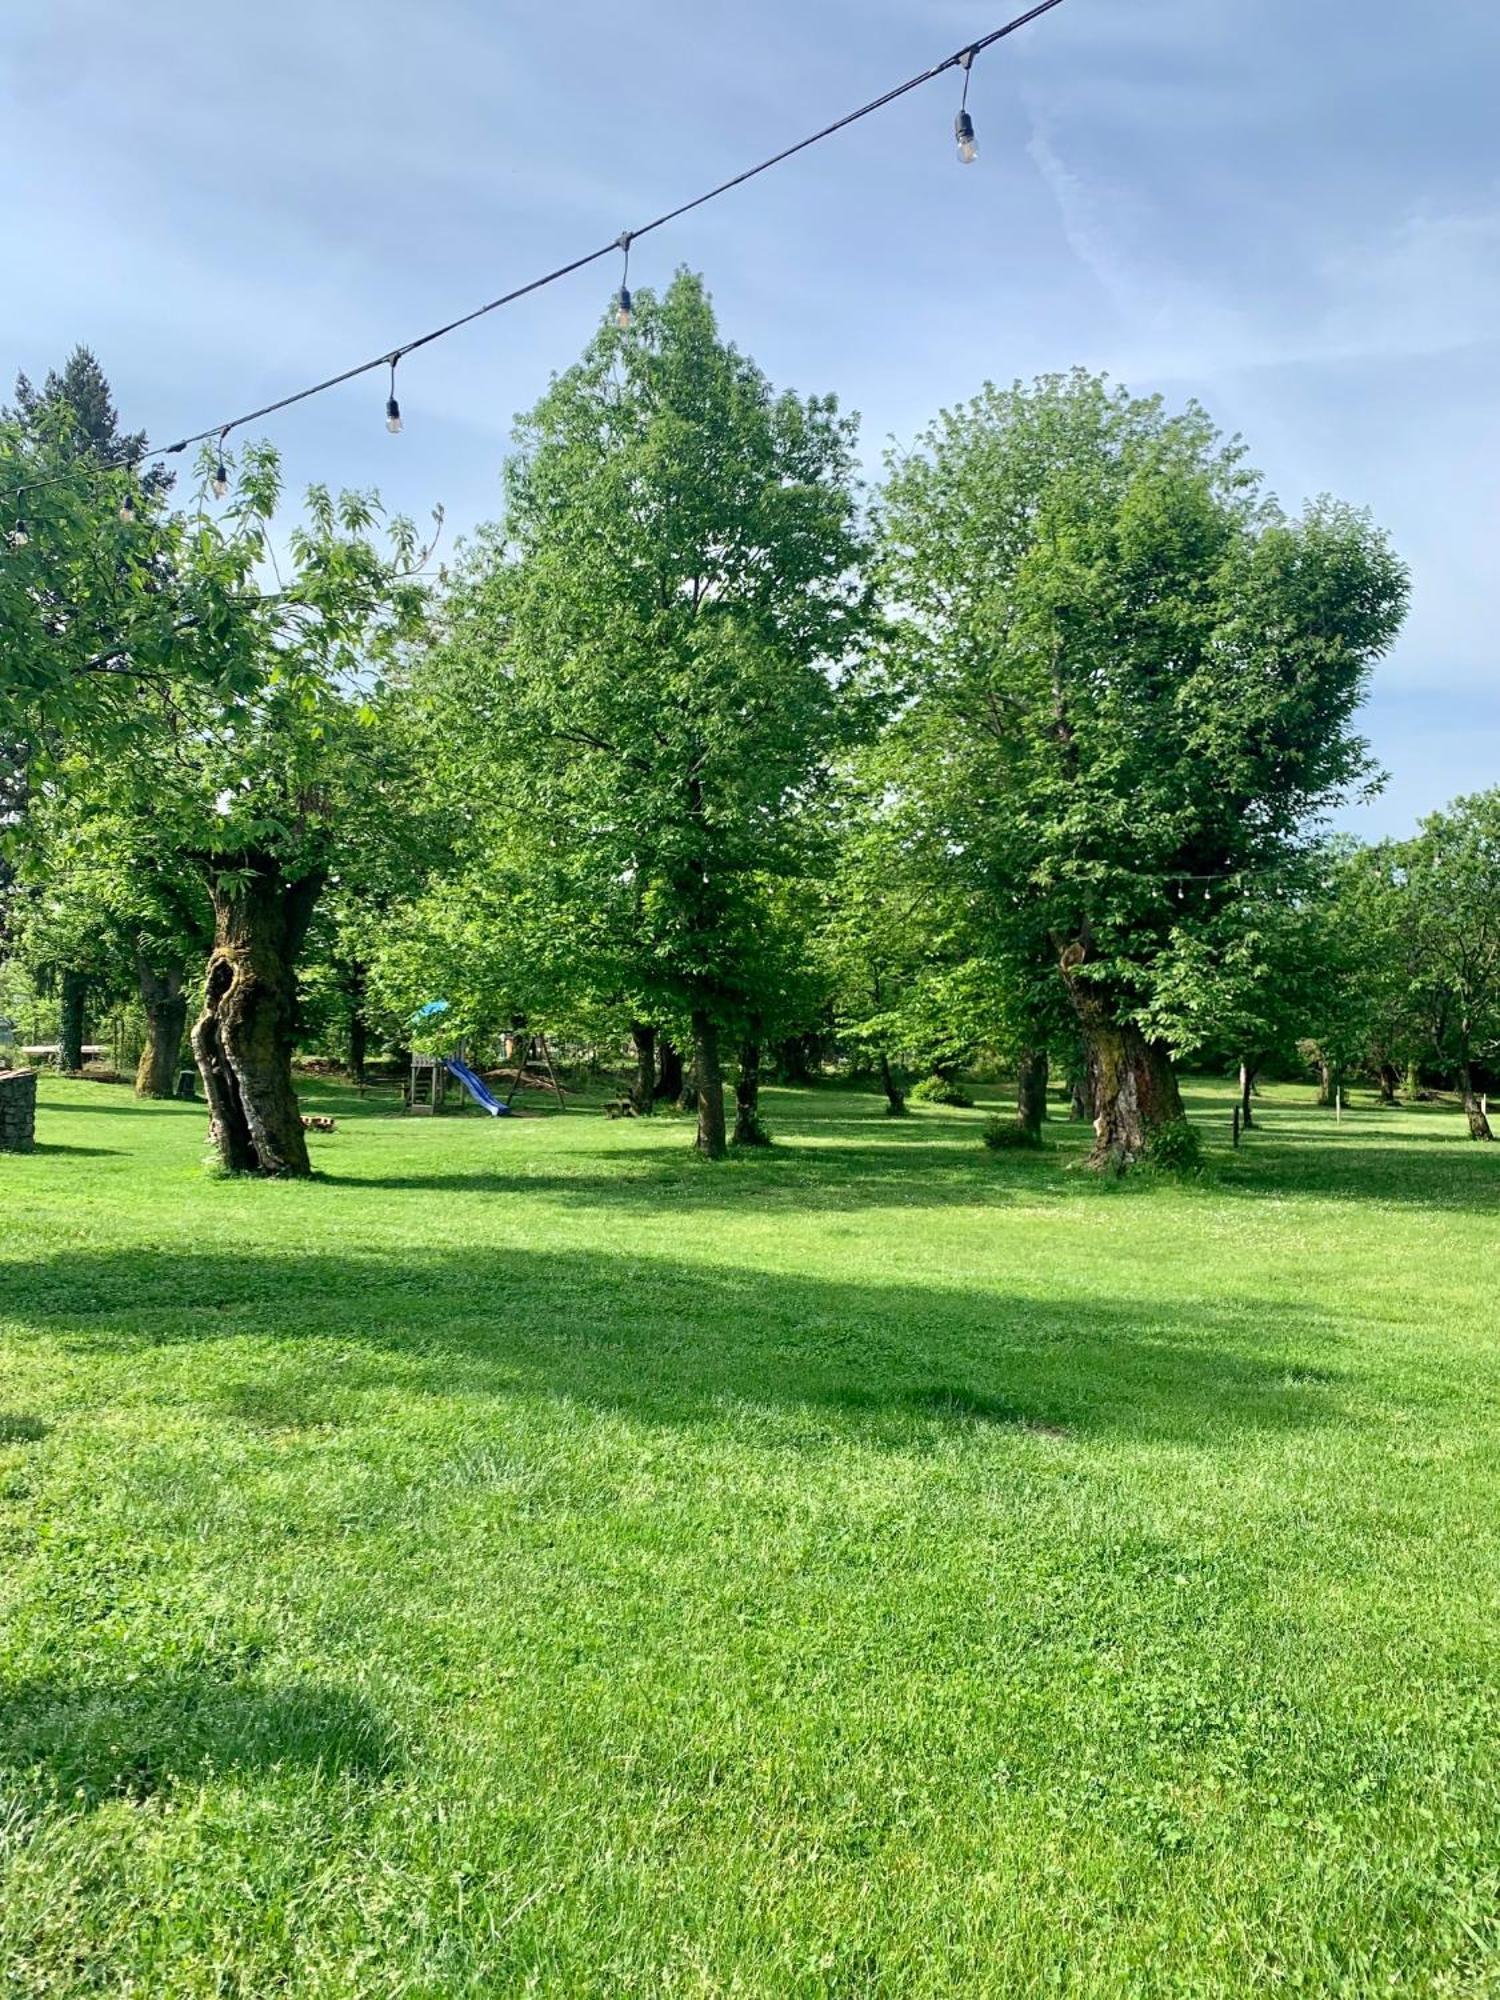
x: 392, y: 415
x: 127, y: 510
x: 963, y: 131
x: 622, y: 317
x: 220, y: 480
x: 18, y: 536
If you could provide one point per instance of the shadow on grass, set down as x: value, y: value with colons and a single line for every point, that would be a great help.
x: 21, y: 1430
x: 79, y: 1152
x: 81, y: 1746
x: 673, y: 1343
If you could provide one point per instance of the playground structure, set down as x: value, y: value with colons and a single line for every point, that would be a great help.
x: 430, y: 1072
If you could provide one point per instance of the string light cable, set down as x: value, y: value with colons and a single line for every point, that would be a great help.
x: 964, y: 131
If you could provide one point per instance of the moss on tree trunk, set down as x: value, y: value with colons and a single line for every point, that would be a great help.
x: 1132, y: 1083
x: 166, y: 1019
x: 244, y: 1038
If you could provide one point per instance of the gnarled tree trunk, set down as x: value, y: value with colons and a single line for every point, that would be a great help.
x: 243, y: 1039
x: 708, y: 1078
x: 643, y: 1090
x: 1390, y: 1082
x: 72, y: 1001
x: 748, y: 1130
x: 166, y: 1018
x: 1031, y: 1092
x: 1131, y: 1079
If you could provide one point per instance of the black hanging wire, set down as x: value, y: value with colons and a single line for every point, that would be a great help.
x: 961, y: 59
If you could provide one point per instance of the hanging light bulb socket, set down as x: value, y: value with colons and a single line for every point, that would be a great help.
x: 392, y: 407
x: 128, y: 513
x: 18, y: 535
x: 220, y: 481
x: 963, y: 124
x: 622, y: 304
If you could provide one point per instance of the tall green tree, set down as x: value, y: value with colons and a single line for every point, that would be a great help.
x: 656, y: 647
x: 1131, y: 685
x: 1450, y: 876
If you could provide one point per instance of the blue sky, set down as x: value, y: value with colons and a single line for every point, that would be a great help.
x: 1290, y: 210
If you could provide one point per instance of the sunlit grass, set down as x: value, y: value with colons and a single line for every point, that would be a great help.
x: 526, y: 1559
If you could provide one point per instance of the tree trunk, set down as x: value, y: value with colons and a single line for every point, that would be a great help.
x: 74, y: 997
x: 895, y: 1096
x: 1413, y: 1090
x: 1330, y: 1083
x: 1131, y: 1079
x: 1031, y: 1092
x: 1390, y: 1082
x: 669, y: 1077
x: 359, y: 1043
x: 643, y: 1090
x: 1479, y: 1125
x: 748, y: 1130
x: 709, y: 1079
x: 1080, y: 1100
x: 1247, y: 1091
x: 243, y: 1039
x: 166, y: 1018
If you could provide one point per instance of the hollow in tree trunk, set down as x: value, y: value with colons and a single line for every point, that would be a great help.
x: 166, y: 1018
x: 668, y: 1088
x: 1131, y: 1079
x: 895, y: 1096
x: 1248, y: 1069
x: 748, y: 1130
x: 73, y: 999
x: 1479, y: 1125
x: 709, y: 1079
x: 243, y: 1039
x: 1031, y: 1092
x: 643, y: 1090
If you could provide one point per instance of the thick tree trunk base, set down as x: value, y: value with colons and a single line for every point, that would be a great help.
x: 1131, y: 1080
x: 1031, y: 1092
x: 708, y: 1078
x: 895, y: 1096
x: 166, y: 1020
x: 748, y: 1130
x: 1479, y: 1124
x: 669, y: 1077
x: 243, y: 1039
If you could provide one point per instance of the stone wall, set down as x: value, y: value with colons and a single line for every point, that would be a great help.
x: 17, y: 1110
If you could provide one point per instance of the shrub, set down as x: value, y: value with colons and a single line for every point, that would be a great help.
x: 1004, y: 1135
x: 938, y: 1090
x: 1174, y: 1148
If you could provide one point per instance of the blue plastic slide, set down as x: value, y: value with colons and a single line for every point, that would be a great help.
x: 477, y: 1090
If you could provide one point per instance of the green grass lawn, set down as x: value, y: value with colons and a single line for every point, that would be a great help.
x: 524, y: 1560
